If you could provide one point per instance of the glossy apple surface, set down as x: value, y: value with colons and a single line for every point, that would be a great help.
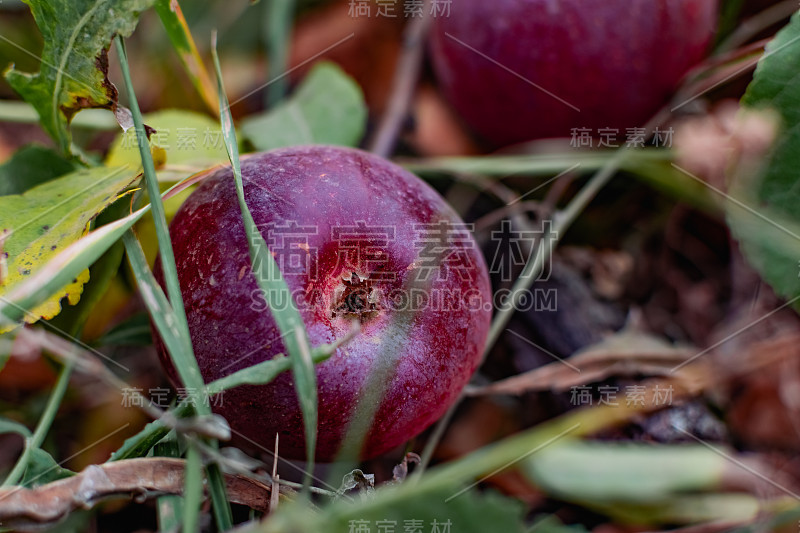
x: 518, y: 70
x: 356, y: 238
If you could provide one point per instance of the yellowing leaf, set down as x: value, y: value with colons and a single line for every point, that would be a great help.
x: 44, y: 220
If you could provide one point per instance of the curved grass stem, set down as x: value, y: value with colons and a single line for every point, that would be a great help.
x: 43, y: 427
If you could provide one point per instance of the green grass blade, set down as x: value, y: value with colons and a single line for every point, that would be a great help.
x: 9, y: 426
x: 23, y: 112
x: 265, y: 372
x: 179, y: 346
x: 219, y: 496
x: 271, y: 281
x: 192, y: 490
x: 187, y: 365
x: 181, y: 352
x: 158, y: 306
x: 149, y: 436
x: 168, y: 507
x: 171, y: 15
x: 533, y: 164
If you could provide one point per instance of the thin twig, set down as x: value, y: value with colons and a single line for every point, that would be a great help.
x: 273, y: 501
x: 403, y: 85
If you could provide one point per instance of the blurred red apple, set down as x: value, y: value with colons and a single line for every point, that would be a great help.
x: 518, y: 70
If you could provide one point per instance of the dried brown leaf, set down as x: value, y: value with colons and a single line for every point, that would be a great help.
x: 140, y: 478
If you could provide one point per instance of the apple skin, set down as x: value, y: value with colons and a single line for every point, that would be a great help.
x: 436, y: 350
x: 617, y: 61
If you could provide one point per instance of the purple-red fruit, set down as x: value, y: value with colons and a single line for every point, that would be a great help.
x: 518, y: 70
x: 356, y: 238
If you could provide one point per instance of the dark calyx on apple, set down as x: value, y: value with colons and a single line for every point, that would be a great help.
x: 518, y: 70
x: 356, y: 238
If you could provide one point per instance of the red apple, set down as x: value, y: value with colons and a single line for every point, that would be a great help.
x: 518, y: 70
x: 356, y: 238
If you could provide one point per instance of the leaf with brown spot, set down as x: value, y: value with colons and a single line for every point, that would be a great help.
x: 74, y: 60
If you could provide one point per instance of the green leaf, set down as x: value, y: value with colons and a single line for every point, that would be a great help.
x: 469, y: 512
x: 44, y: 220
x: 768, y: 233
x: 271, y: 282
x: 328, y: 108
x: 769, y: 239
x: 30, y: 166
x: 74, y: 68
x: 67, y: 265
x: 43, y: 469
x: 552, y: 524
x: 185, y: 141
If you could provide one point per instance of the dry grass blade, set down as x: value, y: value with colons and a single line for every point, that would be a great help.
x: 628, y: 353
